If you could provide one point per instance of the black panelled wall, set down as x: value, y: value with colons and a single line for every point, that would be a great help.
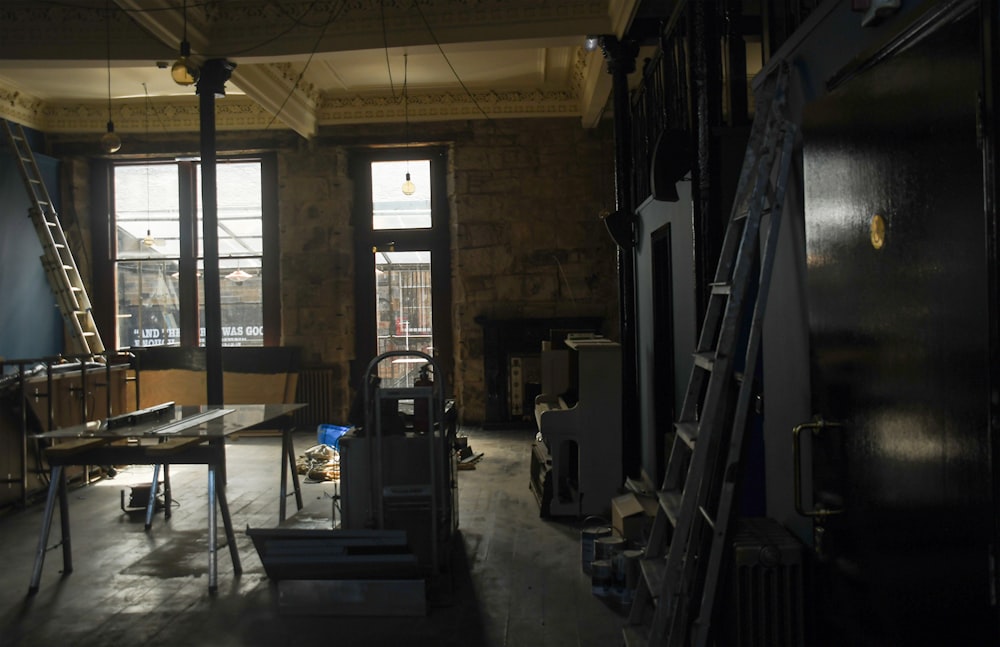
x: 900, y: 348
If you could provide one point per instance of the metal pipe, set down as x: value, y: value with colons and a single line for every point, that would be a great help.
x: 620, y: 57
x: 211, y: 84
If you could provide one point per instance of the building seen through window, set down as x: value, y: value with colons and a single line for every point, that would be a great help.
x: 150, y: 225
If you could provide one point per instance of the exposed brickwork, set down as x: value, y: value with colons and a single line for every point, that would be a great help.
x: 525, y: 198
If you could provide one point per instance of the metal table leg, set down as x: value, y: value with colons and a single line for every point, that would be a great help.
x: 151, y: 503
x: 57, y: 488
x: 217, y: 492
x: 167, y: 494
x: 288, y: 453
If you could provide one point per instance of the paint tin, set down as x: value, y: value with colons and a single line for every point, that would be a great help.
x: 601, y: 578
x: 609, y: 546
x: 588, y: 538
x: 625, y: 576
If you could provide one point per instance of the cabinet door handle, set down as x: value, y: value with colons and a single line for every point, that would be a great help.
x: 816, y: 426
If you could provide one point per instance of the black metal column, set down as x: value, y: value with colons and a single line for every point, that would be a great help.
x: 211, y: 84
x: 990, y: 146
x: 620, y: 57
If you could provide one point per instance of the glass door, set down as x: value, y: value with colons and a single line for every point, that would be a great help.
x: 403, y: 272
x: 404, y: 311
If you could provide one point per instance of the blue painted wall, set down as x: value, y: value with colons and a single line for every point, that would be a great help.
x: 30, y: 324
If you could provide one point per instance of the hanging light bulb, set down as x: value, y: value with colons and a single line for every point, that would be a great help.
x: 110, y: 141
x: 148, y: 240
x: 184, y: 71
x: 408, y: 187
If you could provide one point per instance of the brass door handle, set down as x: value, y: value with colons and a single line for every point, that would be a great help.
x: 815, y: 426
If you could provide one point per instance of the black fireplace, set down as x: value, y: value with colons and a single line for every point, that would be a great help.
x: 511, y: 349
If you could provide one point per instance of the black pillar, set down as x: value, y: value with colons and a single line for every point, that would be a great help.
x: 620, y: 57
x: 211, y: 84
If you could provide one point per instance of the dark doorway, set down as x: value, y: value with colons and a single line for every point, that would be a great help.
x: 664, y: 406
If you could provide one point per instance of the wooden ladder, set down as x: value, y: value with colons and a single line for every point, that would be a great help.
x: 57, y: 257
x: 675, y: 597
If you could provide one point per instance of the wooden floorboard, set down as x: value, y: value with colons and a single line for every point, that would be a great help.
x: 516, y: 578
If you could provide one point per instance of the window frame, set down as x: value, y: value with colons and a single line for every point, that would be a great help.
x: 435, y: 239
x: 104, y: 229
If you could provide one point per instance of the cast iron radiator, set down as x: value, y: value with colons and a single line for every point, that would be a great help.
x: 766, y: 596
x: 318, y: 387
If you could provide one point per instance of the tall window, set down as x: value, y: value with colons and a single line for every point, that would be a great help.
x: 158, y: 239
x: 403, y: 273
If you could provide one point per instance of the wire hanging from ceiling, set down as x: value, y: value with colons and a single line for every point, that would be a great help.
x: 385, y: 47
x: 416, y: 5
x: 333, y: 15
x: 148, y: 241
x: 110, y: 141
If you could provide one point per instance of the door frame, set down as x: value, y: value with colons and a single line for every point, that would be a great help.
x: 436, y: 239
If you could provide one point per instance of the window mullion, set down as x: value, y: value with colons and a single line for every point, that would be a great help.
x: 188, y: 295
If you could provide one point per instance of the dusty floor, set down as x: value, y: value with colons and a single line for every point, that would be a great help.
x: 516, y: 579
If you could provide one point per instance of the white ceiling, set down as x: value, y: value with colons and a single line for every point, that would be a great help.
x: 311, y: 62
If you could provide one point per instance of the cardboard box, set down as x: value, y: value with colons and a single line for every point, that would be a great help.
x: 632, y: 515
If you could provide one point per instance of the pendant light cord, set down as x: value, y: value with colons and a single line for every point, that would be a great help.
x: 406, y: 100
x: 107, y: 23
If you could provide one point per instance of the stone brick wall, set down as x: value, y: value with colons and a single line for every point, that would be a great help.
x: 528, y: 239
x: 525, y: 199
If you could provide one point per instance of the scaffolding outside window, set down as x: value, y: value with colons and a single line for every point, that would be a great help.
x: 148, y: 223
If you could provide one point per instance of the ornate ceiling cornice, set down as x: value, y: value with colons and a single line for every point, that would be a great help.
x: 237, y: 112
x: 19, y: 107
x: 447, y: 106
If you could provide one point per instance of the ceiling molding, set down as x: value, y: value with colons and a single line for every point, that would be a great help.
x: 180, y: 114
x: 20, y: 107
x: 595, y: 87
x: 447, y: 106
x: 278, y: 94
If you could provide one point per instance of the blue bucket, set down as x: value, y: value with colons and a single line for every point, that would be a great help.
x: 330, y: 435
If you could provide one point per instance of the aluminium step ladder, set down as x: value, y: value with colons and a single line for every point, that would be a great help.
x: 683, y: 562
x: 57, y: 257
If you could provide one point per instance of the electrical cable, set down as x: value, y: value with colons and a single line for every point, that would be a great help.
x: 330, y: 18
x: 434, y: 37
x: 385, y: 46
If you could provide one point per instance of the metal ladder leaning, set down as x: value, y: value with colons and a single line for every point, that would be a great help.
x: 681, y: 570
x: 57, y: 258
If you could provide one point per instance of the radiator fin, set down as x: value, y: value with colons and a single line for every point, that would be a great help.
x: 766, y: 605
x: 319, y: 388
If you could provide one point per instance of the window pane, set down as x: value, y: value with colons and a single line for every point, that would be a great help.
x: 240, y: 218
x: 146, y: 211
x: 148, y: 308
x: 148, y: 223
x: 393, y: 209
x: 403, y: 295
x: 241, y: 293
